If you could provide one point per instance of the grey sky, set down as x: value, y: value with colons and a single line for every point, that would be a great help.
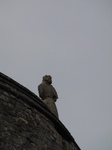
x: 71, y: 41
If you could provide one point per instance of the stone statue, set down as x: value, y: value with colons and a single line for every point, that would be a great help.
x: 48, y: 94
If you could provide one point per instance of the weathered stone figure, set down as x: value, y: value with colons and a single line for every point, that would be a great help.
x: 48, y: 94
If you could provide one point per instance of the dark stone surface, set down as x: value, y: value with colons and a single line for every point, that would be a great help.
x: 26, y: 123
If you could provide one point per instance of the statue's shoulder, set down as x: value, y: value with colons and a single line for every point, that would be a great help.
x: 42, y: 85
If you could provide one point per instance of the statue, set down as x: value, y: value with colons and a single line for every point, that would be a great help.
x: 48, y: 94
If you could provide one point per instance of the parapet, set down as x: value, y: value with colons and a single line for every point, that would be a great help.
x: 27, y: 123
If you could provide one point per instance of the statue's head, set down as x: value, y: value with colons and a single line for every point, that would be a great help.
x: 47, y: 79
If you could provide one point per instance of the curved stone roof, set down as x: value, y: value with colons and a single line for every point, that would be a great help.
x: 8, y: 84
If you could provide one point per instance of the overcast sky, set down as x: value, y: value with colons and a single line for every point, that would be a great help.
x: 72, y: 41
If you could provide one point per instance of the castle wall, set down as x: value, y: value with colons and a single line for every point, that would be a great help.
x: 26, y: 123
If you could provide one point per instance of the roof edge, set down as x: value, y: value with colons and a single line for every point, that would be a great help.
x: 33, y: 100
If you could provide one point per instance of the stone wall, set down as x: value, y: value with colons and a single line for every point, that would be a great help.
x: 26, y: 123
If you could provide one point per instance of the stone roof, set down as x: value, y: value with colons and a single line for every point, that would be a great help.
x: 8, y: 84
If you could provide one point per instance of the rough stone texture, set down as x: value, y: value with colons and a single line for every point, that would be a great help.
x: 26, y: 123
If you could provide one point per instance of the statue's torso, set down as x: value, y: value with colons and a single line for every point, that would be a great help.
x: 47, y: 90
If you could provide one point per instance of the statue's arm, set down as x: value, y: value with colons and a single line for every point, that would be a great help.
x: 41, y: 91
x: 55, y: 97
